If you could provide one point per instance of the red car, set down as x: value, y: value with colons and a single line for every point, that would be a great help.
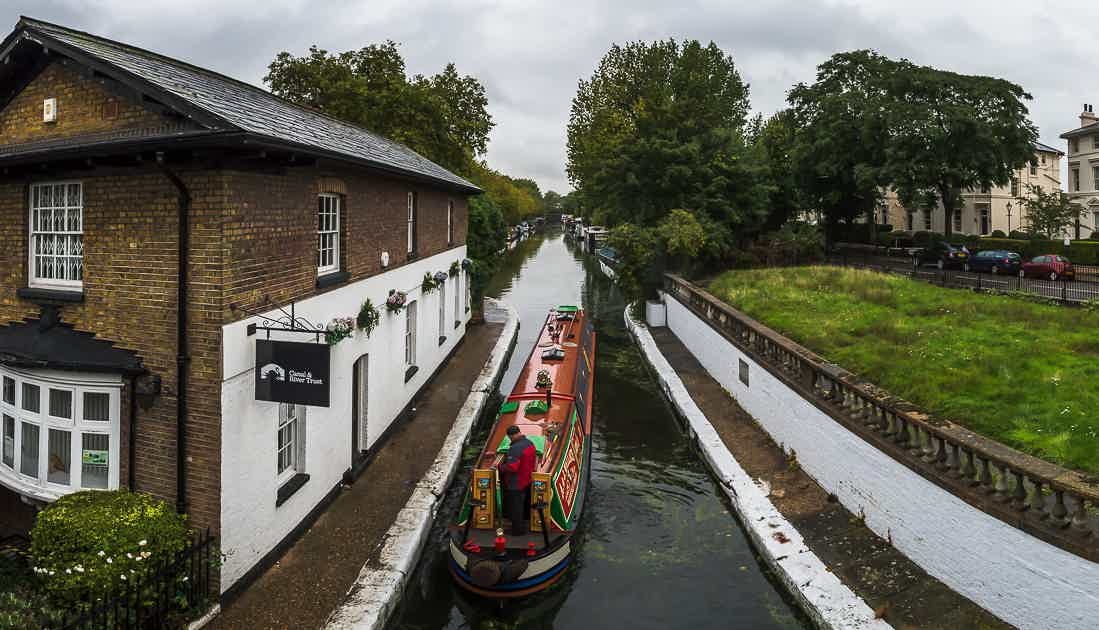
x: 1052, y: 266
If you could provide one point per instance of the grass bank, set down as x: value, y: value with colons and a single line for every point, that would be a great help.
x: 1022, y: 373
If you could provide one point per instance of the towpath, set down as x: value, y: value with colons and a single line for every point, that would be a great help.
x: 312, y: 577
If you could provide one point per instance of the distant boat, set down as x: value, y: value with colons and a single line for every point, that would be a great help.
x: 486, y: 560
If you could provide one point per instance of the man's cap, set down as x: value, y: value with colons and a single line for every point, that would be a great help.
x: 513, y: 430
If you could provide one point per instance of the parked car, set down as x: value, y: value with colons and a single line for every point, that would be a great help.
x: 1050, y: 266
x: 942, y: 254
x: 996, y: 261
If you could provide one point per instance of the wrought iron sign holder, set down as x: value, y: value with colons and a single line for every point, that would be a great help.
x: 289, y: 322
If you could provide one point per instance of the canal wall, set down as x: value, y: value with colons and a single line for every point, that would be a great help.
x: 378, y: 588
x: 1007, y: 570
x: 818, y: 591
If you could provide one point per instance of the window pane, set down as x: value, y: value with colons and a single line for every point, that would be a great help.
x: 31, y: 400
x: 95, y: 460
x: 9, y: 390
x: 9, y: 441
x: 60, y: 457
x: 61, y: 403
x: 97, y: 407
x: 28, y: 454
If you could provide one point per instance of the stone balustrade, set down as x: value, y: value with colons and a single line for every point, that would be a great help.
x: 1047, y: 501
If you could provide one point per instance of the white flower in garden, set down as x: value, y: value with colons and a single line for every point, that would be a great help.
x: 101, y: 554
x: 123, y: 576
x: 109, y: 561
x: 79, y: 568
x: 52, y: 572
x: 143, y: 543
x: 68, y: 571
x: 146, y: 554
x: 129, y: 555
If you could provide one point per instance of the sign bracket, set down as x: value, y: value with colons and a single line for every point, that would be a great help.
x: 289, y: 322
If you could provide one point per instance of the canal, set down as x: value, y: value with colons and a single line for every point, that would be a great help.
x: 659, y: 546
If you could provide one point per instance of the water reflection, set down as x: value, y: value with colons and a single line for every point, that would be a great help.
x: 658, y: 548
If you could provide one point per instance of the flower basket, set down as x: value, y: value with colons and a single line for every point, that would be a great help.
x: 455, y: 267
x: 440, y: 277
x: 396, y: 301
x: 467, y: 264
x: 338, y: 329
x: 368, y: 317
x: 428, y: 285
x: 543, y: 380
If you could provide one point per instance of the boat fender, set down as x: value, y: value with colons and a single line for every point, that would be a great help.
x: 512, y: 570
x: 485, y: 573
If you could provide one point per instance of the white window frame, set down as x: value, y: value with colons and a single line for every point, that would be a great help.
x: 292, y: 416
x: 411, y: 220
x: 1074, y: 179
x: 33, y: 231
x: 38, y: 486
x: 410, y: 334
x: 984, y: 213
x: 957, y: 220
x: 328, y: 227
x: 927, y: 220
x: 450, y: 222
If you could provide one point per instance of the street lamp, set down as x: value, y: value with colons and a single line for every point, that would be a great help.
x: 1009, y: 218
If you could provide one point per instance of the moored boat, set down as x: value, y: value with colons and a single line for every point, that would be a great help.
x: 551, y: 404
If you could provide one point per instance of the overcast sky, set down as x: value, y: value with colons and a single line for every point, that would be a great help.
x: 529, y: 55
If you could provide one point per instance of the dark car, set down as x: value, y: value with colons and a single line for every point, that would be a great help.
x: 996, y: 261
x: 1050, y: 266
x: 942, y: 254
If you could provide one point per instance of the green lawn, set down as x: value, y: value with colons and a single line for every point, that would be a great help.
x: 1023, y: 373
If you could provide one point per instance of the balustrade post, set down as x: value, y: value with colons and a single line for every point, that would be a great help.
x: 965, y: 465
x: 1001, y: 487
x: 1018, y: 493
x: 1080, y: 523
x: 984, y: 475
x: 1037, y: 502
x: 1058, y: 512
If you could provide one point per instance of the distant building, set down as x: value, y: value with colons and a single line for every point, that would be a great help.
x: 1083, y: 167
x: 982, y: 211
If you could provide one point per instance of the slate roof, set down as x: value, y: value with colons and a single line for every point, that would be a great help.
x: 244, y: 107
x: 1046, y: 148
x: 35, y: 343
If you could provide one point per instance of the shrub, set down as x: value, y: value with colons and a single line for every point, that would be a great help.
x: 998, y: 234
x: 1094, y: 236
x: 1019, y: 235
x: 87, y: 543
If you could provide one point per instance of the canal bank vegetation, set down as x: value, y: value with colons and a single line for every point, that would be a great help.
x: 1023, y: 373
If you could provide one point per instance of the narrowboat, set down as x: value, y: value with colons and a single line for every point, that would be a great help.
x: 551, y: 404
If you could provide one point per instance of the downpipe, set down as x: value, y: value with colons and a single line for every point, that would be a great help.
x: 182, y: 356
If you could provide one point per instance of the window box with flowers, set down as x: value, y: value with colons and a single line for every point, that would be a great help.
x: 455, y: 267
x: 395, y: 303
x: 368, y: 318
x: 338, y: 329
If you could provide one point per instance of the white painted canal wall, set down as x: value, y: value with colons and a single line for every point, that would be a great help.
x: 377, y: 590
x: 818, y: 591
x: 1015, y: 576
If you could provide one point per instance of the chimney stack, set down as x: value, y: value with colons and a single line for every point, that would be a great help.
x: 1088, y: 117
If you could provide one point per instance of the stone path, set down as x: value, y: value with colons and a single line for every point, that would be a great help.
x: 313, y: 576
x: 895, y: 587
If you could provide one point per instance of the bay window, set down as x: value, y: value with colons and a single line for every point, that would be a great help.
x: 60, y: 432
x: 56, y: 236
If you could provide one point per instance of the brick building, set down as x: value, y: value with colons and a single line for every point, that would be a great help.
x: 152, y: 215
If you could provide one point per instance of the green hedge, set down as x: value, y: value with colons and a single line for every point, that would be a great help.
x: 87, y: 542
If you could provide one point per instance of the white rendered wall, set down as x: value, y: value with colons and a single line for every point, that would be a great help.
x: 251, y: 525
x: 1022, y: 580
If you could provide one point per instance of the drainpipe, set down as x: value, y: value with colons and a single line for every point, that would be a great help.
x: 182, y: 358
x: 133, y: 434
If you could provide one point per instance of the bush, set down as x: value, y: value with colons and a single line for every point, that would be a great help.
x: 1019, y: 235
x: 1094, y: 236
x: 87, y: 543
x: 998, y: 234
x: 859, y: 232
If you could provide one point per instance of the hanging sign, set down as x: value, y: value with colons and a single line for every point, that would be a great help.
x: 292, y: 372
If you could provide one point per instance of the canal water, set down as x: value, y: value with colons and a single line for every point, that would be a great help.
x: 659, y: 547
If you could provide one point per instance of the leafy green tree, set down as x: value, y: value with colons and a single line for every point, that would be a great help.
x: 774, y: 143
x: 951, y: 132
x: 517, y: 199
x: 683, y: 236
x: 443, y: 117
x: 661, y: 125
x: 841, y: 127
x: 638, y: 274
x: 1050, y: 214
x: 486, y: 238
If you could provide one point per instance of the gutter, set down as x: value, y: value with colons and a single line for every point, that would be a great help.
x: 182, y: 357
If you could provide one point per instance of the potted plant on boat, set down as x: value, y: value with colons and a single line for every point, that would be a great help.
x: 543, y: 381
x: 338, y: 329
x: 368, y: 317
x: 396, y: 301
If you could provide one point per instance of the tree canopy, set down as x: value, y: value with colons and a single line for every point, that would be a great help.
x: 1049, y: 214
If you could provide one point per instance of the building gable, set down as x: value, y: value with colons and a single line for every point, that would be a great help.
x: 87, y: 107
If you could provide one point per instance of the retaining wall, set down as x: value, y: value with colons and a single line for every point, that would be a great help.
x: 1014, y: 575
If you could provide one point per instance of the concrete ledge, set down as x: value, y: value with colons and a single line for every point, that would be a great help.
x: 822, y: 595
x: 378, y: 588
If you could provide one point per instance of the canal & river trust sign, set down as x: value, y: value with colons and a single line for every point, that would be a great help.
x: 292, y: 372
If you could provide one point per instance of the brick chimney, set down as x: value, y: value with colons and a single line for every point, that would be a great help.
x: 1088, y: 117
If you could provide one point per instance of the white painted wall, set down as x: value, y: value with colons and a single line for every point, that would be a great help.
x: 1022, y: 580
x: 251, y: 525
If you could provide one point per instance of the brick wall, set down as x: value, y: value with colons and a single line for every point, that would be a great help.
x: 84, y: 105
x: 270, y: 229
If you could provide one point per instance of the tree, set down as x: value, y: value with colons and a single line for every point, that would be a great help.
x: 774, y: 143
x: 486, y: 238
x: 516, y: 199
x: 840, y: 127
x: 952, y: 132
x: 444, y: 117
x: 1050, y: 214
x: 661, y: 125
